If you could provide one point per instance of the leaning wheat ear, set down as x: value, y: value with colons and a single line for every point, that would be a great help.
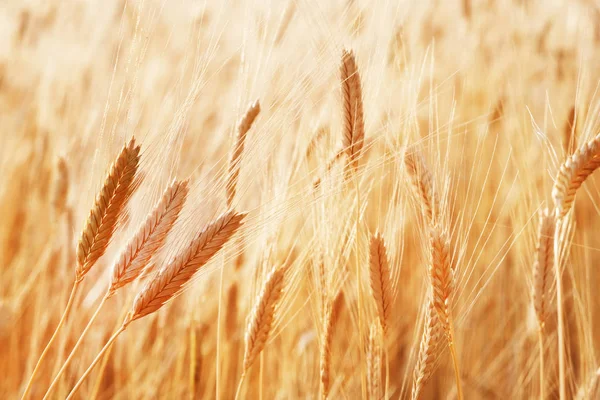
x: 428, y: 350
x: 381, y: 282
x: 234, y: 161
x: 174, y: 277
x: 261, y: 319
x: 109, y: 206
x: 542, y: 267
x: 422, y: 182
x: 149, y: 239
x: 542, y: 280
x: 571, y: 175
x: 441, y: 275
x: 100, y: 226
x: 330, y: 319
x: 353, y: 120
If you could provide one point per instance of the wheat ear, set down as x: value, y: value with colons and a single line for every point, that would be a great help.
x: 381, y: 285
x: 150, y: 237
x: 332, y: 313
x: 571, y: 175
x: 261, y: 319
x: 353, y: 125
x: 542, y: 267
x: 422, y: 182
x: 100, y: 226
x: 428, y: 350
x: 108, y: 209
x: 234, y: 162
x: 441, y: 275
x: 374, y: 360
x: 172, y: 278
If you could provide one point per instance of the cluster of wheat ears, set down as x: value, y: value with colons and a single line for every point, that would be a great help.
x: 385, y: 223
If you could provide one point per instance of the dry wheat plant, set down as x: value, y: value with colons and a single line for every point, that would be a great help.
x: 299, y: 199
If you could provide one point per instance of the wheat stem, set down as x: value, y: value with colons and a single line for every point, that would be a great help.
x: 79, y: 341
x: 54, y: 335
x: 96, y: 360
x: 541, y: 347
x: 559, y: 310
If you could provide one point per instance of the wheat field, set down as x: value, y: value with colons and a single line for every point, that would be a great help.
x: 273, y: 199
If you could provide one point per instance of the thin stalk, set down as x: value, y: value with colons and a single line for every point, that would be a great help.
x: 193, y: 352
x: 260, y: 375
x: 387, y: 371
x: 559, y: 309
x: 455, y: 363
x: 239, y: 388
x: 96, y: 360
x: 360, y: 336
x: 217, y: 371
x: 70, y: 357
x: 541, y: 345
x: 60, y: 324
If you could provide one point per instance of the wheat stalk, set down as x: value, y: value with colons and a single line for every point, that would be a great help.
x: 332, y: 313
x: 234, y: 162
x: 428, y: 350
x: 572, y: 173
x: 353, y: 126
x: 172, y: 278
x: 422, y: 182
x: 374, y: 352
x: 381, y: 285
x: 150, y: 237
x: 100, y: 226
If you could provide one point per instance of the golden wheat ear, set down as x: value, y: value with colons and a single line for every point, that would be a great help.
x: 262, y: 316
x: 571, y: 175
x: 108, y: 208
x: 150, y: 237
x: 173, y: 278
x: 381, y: 283
x: 353, y: 125
x: 422, y: 182
x: 542, y: 268
x: 428, y: 350
x: 234, y: 161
